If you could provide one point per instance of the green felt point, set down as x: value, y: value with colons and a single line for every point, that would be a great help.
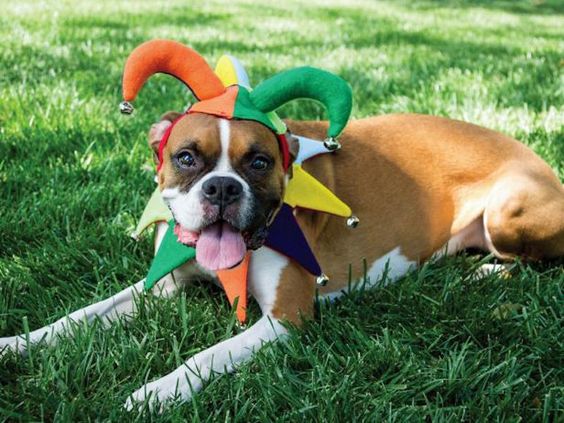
x: 171, y: 254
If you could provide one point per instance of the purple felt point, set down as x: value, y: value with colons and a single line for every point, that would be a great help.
x: 309, y: 148
x: 286, y: 237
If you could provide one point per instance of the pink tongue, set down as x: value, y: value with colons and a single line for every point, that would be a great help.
x: 220, y: 246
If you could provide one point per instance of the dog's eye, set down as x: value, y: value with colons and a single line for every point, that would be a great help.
x: 185, y: 159
x: 260, y: 163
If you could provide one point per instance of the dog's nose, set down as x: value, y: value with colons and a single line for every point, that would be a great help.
x: 222, y: 190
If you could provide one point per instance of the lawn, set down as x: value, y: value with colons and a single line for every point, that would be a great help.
x: 74, y: 176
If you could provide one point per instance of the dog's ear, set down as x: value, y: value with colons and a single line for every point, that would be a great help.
x: 293, y: 149
x: 293, y: 146
x: 158, y: 129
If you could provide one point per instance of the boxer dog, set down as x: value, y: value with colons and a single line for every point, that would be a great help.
x: 422, y: 186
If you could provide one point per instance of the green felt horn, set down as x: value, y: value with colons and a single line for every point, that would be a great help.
x: 307, y: 82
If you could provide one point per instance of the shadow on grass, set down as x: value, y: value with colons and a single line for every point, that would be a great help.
x: 528, y: 7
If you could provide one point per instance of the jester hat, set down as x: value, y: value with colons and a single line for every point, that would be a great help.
x: 236, y: 101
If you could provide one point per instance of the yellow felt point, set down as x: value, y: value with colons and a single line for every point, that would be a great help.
x: 234, y: 282
x: 230, y: 71
x: 305, y: 191
x: 226, y: 71
x: 155, y: 211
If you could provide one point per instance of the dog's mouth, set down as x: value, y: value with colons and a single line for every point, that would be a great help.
x: 219, y: 245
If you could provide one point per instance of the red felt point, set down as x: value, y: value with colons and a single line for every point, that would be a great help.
x: 234, y: 282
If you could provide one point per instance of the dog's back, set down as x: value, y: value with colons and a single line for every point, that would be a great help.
x: 420, y: 184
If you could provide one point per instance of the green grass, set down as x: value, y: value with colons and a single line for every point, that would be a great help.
x: 73, y: 180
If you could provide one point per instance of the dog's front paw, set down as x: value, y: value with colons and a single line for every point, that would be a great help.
x: 157, y: 395
x: 13, y: 344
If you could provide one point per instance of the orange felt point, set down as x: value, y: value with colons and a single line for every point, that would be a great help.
x: 222, y: 106
x: 234, y: 282
x: 173, y: 58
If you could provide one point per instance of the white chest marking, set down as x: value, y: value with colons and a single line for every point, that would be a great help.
x: 264, y: 276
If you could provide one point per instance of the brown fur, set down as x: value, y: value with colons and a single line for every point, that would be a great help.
x: 195, y: 128
x: 415, y: 181
x: 295, y: 294
x: 264, y: 139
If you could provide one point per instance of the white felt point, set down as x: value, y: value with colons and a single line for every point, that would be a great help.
x: 242, y: 75
x: 309, y: 148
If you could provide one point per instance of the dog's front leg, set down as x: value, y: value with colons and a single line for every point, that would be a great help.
x: 123, y: 304
x: 271, y: 279
x: 108, y: 310
x: 221, y: 358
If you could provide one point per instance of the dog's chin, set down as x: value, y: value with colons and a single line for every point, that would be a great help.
x: 256, y: 238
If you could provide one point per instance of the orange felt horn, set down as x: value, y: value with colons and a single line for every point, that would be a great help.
x: 173, y: 58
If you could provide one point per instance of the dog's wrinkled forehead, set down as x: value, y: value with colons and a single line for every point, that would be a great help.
x: 217, y: 144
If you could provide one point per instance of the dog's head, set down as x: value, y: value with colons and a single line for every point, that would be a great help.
x: 223, y: 181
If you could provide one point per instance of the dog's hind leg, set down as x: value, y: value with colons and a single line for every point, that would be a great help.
x: 525, y: 217
x: 122, y: 304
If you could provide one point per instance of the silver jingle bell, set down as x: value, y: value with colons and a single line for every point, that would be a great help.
x: 332, y: 144
x: 322, y: 280
x: 126, y: 108
x: 353, y: 221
